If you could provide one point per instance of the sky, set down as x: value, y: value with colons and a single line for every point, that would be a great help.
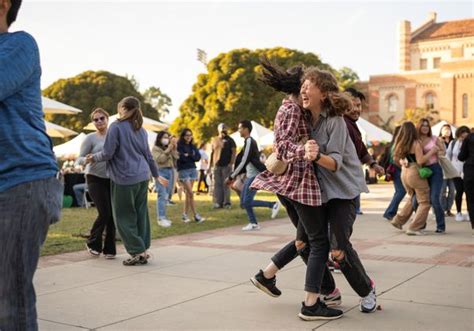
x: 156, y: 41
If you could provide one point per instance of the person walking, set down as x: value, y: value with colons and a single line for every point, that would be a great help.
x: 165, y: 154
x: 448, y: 189
x: 203, y: 166
x: 187, y: 173
x: 408, y: 152
x: 251, y: 165
x: 98, y: 183
x: 222, y: 159
x: 129, y: 162
x: 30, y: 194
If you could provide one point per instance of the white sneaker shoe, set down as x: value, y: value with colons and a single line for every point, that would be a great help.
x: 368, y: 304
x: 276, y: 209
x: 185, y: 218
x: 251, y: 227
x: 459, y: 217
x: 466, y: 218
x: 165, y: 223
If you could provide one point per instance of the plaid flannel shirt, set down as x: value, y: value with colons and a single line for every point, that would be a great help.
x: 299, y: 182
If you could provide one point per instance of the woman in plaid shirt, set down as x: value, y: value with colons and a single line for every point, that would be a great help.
x: 298, y: 190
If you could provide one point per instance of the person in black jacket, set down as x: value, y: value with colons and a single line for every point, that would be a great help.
x: 466, y: 155
x: 251, y: 165
x: 187, y: 173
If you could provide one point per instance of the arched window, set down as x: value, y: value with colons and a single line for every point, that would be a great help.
x: 464, y: 106
x: 392, y: 103
x: 429, y: 101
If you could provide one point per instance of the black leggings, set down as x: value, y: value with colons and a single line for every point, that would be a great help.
x: 459, y: 185
x: 99, y: 190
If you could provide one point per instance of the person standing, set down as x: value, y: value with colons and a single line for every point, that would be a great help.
x: 165, y: 154
x: 448, y: 189
x: 351, y: 117
x: 222, y: 159
x: 99, y: 189
x: 187, y: 173
x: 30, y: 195
x: 203, y: 166
x: 251, y: 165
x: 129, y: 162
x: 430, y: 143
x: 466, y: 155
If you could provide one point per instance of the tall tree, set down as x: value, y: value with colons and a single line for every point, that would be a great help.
x: 230, y: 91
x: 92, y: 89
x: 158, y: 100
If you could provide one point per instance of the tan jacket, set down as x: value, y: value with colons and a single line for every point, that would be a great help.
x: 163, y: 158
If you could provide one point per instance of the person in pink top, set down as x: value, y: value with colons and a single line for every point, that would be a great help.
x: 435, y: 181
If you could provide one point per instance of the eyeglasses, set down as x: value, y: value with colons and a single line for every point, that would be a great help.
x: 102, y: 118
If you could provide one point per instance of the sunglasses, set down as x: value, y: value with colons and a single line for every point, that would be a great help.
x: 102, y: 118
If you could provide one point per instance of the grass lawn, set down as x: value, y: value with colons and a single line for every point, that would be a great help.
x: 67, y: 235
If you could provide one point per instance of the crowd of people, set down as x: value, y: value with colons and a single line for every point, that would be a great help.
x: 315, y: 171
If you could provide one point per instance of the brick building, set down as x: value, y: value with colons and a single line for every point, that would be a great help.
x: 436, y: 63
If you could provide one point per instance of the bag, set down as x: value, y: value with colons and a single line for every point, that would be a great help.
x: 390, y: 172
x: 425, y: 172
x: 275, y: 165
x: 449, y: 171
x: 238, y: 184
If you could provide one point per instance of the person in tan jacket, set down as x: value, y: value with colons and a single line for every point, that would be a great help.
x: 165, y: 155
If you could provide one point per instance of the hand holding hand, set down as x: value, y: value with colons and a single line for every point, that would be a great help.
x: 311, y: 149
x: 379, y: 170
x: 163, y: 181
x: 90, y: 158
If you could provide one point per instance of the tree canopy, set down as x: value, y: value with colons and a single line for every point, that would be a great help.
x: 92, y: 89
x: 230, y: 91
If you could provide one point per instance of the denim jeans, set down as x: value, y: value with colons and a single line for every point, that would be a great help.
x: 398, y: 196
x: 447, y: 200
x: 26, y: 211
x: 79, y: 193
x: 163, y: 192
x: 357, y: 204
x: 247, y: 200
x: 436, y: 182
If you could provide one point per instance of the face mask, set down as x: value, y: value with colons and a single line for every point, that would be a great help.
x: 165, y: 141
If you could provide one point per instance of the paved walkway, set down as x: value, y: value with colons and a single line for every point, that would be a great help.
x: 200, y: 282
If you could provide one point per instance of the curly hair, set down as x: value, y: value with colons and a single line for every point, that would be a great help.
x: 337, y: 103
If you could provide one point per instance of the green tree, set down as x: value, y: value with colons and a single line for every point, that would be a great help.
x: 416, y: 114
x: 92, y: 89
x: 347, y: 77
x: 158, y: 100
x: 230, y: 91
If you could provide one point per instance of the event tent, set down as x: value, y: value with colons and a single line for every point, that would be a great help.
x: 57, y: 131
x: 148, y: 124
x: 51, y: 106
x: 71, y: 148
x: 371, y: 132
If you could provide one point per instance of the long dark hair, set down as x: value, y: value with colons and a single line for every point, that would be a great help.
x: 451, y: 137
x: 183, y: 133
x: 282, y: 80
x: 336, y: 103
x: 159, y: 136
x: 134, y: 113
x: 405, y: 139
x: 419, y: 125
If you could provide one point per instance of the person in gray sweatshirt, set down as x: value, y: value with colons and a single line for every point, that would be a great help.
x: 128, y: 164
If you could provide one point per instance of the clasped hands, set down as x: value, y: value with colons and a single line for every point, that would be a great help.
x: 311, y: 150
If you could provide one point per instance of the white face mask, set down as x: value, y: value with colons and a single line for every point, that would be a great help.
x: 165, y: 141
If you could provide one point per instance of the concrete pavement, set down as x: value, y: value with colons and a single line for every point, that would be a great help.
x: 201, y: 281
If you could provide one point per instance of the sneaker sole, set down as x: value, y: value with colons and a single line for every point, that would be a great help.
x: 333, y: 303
x: 317, y: 318
x: 368, y: 311
x: 257, y: 284
x: 89, y: 250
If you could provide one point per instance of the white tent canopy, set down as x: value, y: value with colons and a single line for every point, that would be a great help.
x: 371, y: 132
x: 261, y: 134
x: 51, y: 106
x: 71, y: 148
x: 436, y: 129
x: 57, y: 131
x: 148, y: 124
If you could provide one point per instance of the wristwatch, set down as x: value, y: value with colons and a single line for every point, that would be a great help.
x: 317, y: 157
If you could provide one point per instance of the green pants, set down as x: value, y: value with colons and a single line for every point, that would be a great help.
x: 130, y: 211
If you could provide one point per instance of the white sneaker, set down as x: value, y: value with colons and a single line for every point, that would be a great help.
x: 165, y: 223
x: 275, y: 209
x: 185, y: 218
x: 459, y: 217
x: 368, y: 304
x: 466, y: 218
x: 251, y: 227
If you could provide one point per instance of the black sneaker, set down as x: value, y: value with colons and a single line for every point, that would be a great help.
x: 319, y: 311
x: 266, y: 285
x: 135, y: 260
